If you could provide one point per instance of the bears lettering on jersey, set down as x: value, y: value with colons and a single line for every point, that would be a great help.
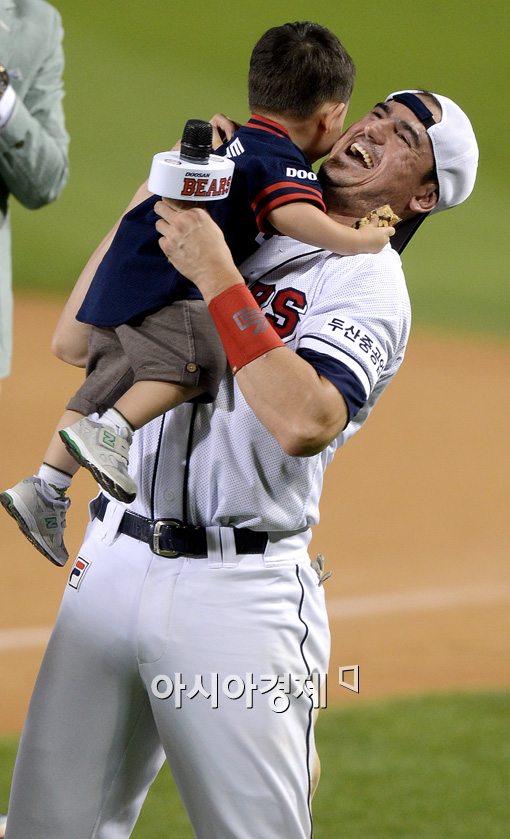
x: 286, y: 307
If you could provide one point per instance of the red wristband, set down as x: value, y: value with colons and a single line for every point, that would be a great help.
x: 244, y: 330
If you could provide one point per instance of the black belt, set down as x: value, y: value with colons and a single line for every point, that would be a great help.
x: 169, y: 537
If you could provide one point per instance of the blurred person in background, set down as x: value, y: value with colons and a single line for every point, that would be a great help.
x: 33, y: 139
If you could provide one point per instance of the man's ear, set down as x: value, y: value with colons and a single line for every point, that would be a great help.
x: 425, y: 198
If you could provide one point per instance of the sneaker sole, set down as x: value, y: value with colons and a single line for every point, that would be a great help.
x: 82, y: 456
x: 24, y: 522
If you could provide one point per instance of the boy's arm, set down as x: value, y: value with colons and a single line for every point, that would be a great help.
x: 70, y: 339
x: 306, y: 223
x: 223, y: 129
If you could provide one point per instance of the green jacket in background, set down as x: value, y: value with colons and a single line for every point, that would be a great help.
x: 33, y: 144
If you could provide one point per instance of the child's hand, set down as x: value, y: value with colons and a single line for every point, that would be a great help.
x: 383, y: 220
x: 372, y: 238
x: 223, y: 129
x: 382, y: 217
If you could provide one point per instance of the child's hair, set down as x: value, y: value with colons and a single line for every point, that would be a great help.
x: 296, y: 67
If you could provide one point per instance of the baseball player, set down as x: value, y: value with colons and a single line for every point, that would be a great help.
x: 193, y: 617
x: 172, y: 351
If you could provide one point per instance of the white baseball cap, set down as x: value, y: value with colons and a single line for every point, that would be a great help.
x: 455, y: 153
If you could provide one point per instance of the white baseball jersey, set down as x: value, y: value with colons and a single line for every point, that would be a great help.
x: 350, y: 317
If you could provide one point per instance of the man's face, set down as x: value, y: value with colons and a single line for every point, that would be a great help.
x: 382, y: 159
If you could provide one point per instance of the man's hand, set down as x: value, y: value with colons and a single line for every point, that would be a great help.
x: 195, y: 245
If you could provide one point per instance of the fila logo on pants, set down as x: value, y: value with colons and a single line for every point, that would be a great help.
x: 78, y: 572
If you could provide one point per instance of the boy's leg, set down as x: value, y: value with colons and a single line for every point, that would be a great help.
x: 109, y: 375
x: 168, y: 357
x: 39, y: 504
x: 101, y: 444
x: 146, y: 400
x: 175, y: 355
x: 56, y: 454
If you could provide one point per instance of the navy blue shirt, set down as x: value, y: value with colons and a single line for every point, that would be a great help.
x: 135, y: 277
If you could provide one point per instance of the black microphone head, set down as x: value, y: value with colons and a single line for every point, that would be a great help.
x: 196, y: 143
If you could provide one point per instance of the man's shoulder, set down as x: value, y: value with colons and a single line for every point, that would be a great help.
x: 376, y: 276
x: 284, y: 257
x: 371, y: 283
x: 37, y: 17
x: 386, y: 261
x: 280, y: 254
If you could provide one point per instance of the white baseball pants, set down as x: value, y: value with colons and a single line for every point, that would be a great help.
x: 109, y: 703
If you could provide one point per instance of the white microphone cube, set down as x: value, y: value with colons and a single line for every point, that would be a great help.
x: 172, y: 177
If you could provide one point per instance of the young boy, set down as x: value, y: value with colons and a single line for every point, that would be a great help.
x: 146, y: 356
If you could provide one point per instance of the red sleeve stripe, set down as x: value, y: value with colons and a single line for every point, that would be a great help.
x: 285, y: 199
x: 315, y: 191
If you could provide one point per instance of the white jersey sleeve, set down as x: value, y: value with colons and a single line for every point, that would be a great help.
x: 217, y: 464
x: 357, y: 327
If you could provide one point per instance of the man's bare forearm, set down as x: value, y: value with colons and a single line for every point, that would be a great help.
x: 70, y: 339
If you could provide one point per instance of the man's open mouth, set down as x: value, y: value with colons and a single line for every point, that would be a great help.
x: 358, y: 151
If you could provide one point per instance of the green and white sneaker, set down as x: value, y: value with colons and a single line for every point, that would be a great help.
x: 40, y: 517
x: 104, y: 452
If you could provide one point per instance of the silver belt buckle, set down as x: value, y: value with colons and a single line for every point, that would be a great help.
x: 157, y: 535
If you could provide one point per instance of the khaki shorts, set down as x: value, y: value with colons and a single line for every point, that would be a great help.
x: 178, y: 343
